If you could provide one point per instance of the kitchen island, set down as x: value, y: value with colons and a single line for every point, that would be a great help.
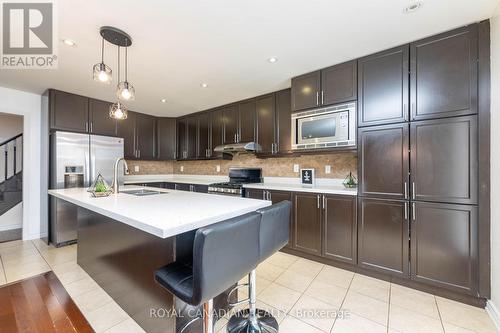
x: 124, y: 238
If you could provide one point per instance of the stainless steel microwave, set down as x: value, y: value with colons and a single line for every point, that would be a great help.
x: 333, y: 126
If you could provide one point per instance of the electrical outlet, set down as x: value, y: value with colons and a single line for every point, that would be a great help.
x: 182, y: 168
x: 328, y: 169
x: 217, y: 168
x: 136, y: 168
x: 296, y: 168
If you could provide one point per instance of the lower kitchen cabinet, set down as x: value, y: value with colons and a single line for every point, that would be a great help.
x: 307, y: 223
x: 444, y: 246
x: 339, y: 228
x: 254, y: 193
x: 186, y: 187
x: 383, y: 236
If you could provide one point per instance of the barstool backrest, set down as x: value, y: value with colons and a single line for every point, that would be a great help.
x: 223, y: 253
x: 274, y: 228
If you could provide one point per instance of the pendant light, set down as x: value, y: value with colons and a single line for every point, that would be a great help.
x: 118, y: 110
x: 125, y: 90
x: 102, y: 72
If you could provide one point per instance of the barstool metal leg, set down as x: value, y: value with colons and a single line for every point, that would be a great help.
x: 208, y: 317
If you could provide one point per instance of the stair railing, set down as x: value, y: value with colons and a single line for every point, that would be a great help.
x: 7, y: 157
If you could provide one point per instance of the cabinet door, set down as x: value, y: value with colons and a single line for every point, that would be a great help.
x: 305, y: 91
x: 444, y: 160
x: 146, y: 131
x: 203, y: 135
x: 279, y: 196
x: 284, y: 120
x: 246, y: 121
x: 444, y: 246
x: 444, y: 74
x: 265, y: 123
x: 182, y: 187
x: 340, y: 228
x: 307, y: 223
x: 383, y: 161
x: 217, y: 131
x: 192, y: 136
x: 339, y: 83
x: 254, y: 193
x: 200, y: 188
x: 231, y: 121
x: 383, y: 236
x: 383, y: 87
x: 181, y: 138
x: 166, y: 139
x: 100, y: 122
x: 126, y: 130
x: 69, y: 112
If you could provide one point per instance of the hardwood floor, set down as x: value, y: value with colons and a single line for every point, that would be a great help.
x: 39, y: 305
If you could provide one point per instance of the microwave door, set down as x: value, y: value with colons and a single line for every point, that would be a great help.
x: 317, y: 129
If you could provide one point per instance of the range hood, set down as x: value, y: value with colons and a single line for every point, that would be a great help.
x: 242, y: 147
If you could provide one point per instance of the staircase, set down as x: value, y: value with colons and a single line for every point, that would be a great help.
x: 11, y: 173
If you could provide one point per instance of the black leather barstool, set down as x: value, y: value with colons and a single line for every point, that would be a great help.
x: 222, y: 253
x: 274, y: 235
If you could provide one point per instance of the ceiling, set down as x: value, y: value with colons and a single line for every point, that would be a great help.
x: 179, y: 44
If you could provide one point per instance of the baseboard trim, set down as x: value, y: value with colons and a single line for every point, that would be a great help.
x: 493, y: 313
x: 10, y: 227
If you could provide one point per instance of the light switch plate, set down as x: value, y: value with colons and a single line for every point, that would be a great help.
x: 182, y: 168
x: 217, y: 168
x: 296, y: 168
x: 328, y: 169
x: 136, y: 168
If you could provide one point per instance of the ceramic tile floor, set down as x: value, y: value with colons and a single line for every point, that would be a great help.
x: 303, y: 295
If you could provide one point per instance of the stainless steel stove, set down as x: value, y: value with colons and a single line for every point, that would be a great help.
x: 237, y: 178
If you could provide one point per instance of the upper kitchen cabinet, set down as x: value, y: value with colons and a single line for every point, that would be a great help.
x: 217, y: 133
x: 305, y: 91
x: 246, y: 128
x: 339, y: 83
x: 69, y: 112
x: 383, y: 161
x: 332, y: 85
x: 181, y: 138
x: 166, y: 139
x: 383, y: 87
x: 283, y: 121
x: 204, y: 147
x: 126, y: 130
x: 192, y: 137
x: 231, y: 121
x: 444, y: 160
x: 100, y: 122
x: 444, y: 74
x: 145, y: 133
x: 265, y: 109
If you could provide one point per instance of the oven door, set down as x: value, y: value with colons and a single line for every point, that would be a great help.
x: 320, y: 129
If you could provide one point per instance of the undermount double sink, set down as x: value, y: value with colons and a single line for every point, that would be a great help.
x: 142, y: 192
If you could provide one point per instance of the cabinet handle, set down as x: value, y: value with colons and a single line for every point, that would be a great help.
x: 317, y: 98
x: 263, y: 195
x: 324, y: 202
x: 139, y: 153
x: 318, y: 199
x: 406, y: 211
x: 322, y: 97
x: 269, y: 196
x: 413, y: 212
x: 86, y: 126
x: 406, y: 190
x: 413, y: 194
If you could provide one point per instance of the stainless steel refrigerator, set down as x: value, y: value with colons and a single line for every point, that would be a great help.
x: 75, y: 161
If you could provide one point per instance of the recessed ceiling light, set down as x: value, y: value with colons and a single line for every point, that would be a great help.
x: 272, y: 59
x: 69, y: 42
x: 412, y: 7
x: 163, y: 100
x: 204, y: 85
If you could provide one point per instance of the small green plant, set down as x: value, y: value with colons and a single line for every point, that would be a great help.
x: 350, y: 181
x: 100, y: 187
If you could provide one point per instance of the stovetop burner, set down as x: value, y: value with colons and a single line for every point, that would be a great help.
x: 237, y: 177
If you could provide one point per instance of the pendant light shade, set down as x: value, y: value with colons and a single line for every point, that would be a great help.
x: 118, y: 111
x: 101, y: 72
x: 125, y: 90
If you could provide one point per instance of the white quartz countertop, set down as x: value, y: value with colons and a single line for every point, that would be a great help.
x: 186, y: 179
x: 163, y: 215
x: 324, y: 189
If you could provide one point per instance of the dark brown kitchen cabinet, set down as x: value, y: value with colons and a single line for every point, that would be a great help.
x: 69, y: 112
x: 181, y: 138
x: 231, y: 122
x: 339, y: 83
x: 217, y: 133
x: 444, y: 246
x: 383, y: 236
x: 383, y: 161
x: 283, y: 121
x: 383, y: 87
x: 444, y: 74
x: 246, y: 128
x: 192, y: 137
x: 146, y: 134
x: 265, y: 109
x: 100, y: 122
x: 254, y: 193
x: 444, y: 160
x: 166, y: 139
x: 307, y: 223
x: 204, y: 146
x: 339, y: 228
x: 126, y: 130
x: 305, y: 91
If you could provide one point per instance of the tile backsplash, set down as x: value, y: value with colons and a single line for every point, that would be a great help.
x: 341, y: 164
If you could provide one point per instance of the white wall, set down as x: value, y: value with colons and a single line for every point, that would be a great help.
x: 29, y: 106
x: 10, y: 125
x: 494, y: 304
x: 13, y: 219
